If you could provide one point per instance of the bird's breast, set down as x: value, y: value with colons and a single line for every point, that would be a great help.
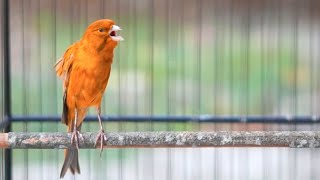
x: 98, y: 78
x: 93, y: 84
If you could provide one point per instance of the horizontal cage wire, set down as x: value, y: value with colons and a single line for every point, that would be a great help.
x: 185, y: 66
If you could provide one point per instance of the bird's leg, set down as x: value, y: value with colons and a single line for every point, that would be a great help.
x: 101, y: 136
x: 75, y: 133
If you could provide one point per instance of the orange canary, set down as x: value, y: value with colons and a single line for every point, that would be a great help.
x: 85, y: 69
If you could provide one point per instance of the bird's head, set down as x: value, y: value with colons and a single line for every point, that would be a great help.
x: 102, y: 33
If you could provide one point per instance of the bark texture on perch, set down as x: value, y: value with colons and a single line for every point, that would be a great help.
x: 293, y: 139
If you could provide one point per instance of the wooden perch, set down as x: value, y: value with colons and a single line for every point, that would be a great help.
x: 293, y: 139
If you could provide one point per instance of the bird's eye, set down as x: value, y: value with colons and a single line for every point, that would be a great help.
x: 102, y: 30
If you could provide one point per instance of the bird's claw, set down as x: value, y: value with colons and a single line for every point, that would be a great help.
x: 75, y: 137
x: 102, y: 137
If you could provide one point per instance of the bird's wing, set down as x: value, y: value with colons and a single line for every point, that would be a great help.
x: 63, y: 68
x: 64, y: 64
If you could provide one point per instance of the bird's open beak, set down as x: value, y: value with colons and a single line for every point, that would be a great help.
x: 113, y: 33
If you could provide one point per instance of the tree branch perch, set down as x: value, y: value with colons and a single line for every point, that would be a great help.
x: 293, y: 139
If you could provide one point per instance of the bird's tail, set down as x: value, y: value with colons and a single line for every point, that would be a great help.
x: 71, y: 161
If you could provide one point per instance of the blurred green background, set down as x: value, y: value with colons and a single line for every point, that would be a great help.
x: 179, y: 57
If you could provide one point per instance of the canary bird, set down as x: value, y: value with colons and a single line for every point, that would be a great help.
x: 85, y: 69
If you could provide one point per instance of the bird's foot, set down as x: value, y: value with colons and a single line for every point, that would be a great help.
x: 102, y: 138
x: 75, y: 137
